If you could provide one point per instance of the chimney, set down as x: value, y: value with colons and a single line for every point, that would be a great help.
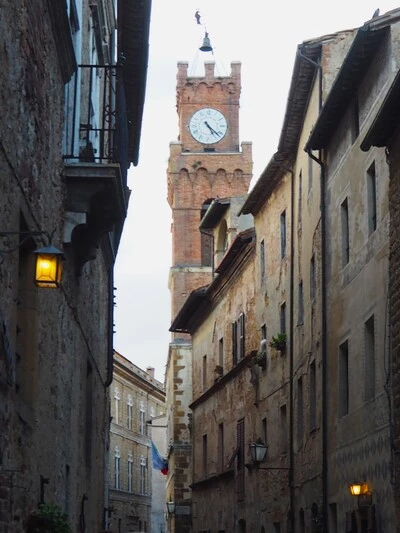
x: 150, y: 371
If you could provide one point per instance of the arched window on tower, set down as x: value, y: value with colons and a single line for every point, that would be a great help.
x: 206, y: 239
x: 222, y: 242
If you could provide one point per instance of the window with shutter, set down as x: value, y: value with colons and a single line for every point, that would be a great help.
x: 242, y: 338
x: 234, y: 343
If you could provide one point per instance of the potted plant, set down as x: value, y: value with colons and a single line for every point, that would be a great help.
x: 48, y: 518
x: 279, y: 342
x: 260, y: 358
x: 219, y: 370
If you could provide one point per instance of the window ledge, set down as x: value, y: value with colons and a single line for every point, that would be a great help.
x: 233, y: 372
x: 213, y: 478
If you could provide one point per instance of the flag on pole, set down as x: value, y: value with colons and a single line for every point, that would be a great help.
x: 159, y: 463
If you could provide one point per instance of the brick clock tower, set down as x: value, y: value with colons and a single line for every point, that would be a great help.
x: 205, y: 163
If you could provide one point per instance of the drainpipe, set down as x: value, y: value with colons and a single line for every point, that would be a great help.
x: 324, y: 361
x: 110, y: 328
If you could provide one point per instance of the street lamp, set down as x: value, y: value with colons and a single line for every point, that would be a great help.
x: 48, y: 268
x: 363, y: 493
x: 171, y: 508
x: 357, y: 488
x: 258, y: 451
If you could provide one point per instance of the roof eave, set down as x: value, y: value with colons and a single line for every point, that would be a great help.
x: 134, y: 29
x: 354, y: 66
x: 303, y: 75
x: 240, y: 242
x: 278, y: 165
x: 387, y: 119
x: 214, y: 213
x: 183, y: 321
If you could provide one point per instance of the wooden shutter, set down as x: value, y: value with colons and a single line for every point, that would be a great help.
x: 234, y: 343
x: 242, y: 336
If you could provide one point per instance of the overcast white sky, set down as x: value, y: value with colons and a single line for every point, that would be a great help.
x: 263, y: 37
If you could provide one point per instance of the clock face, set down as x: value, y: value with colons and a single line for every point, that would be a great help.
x: 208, y: 126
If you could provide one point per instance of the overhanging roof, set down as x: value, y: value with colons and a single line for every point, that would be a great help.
x: 273, y: 172
x: 184, y: 318
x: 240, y: 242
x: 304, y: 71
x: 133, y: 45
x: 214, y: 213
x: 357, y: 61
x: 387, y: 119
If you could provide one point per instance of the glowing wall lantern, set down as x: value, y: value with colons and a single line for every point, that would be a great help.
x: 48, y: 269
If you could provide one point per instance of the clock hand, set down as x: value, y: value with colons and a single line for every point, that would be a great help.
x: 209, y: 127
x: 213, y: 132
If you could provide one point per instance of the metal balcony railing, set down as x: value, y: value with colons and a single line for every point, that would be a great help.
x: 96, y: 128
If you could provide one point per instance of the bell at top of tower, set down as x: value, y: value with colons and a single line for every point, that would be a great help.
x: 206, y: 163
x: 208, y: 109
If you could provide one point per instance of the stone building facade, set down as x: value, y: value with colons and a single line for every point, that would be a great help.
x: 59, y: 183
x: 320, y: 273
x: 360, y: 420
x: 136, y: 399
x: 203, y: 165
x: 383, y: 133
x: 223, y: 394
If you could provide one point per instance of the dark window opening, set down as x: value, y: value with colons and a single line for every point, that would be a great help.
x: 206, y: 240
x: 343, y: 379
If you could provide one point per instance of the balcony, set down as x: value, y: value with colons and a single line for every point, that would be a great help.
x: 95, y: 159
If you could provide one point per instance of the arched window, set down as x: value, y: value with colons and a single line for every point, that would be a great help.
x: 129, y: 408
x: 142, y: 422
x: 222, y: 241
x: 130, y: 472
x: 315, y: 518
x: 117, y: 398
x: 301, y: 521
x: 117, y: 461
x: 142, y: 474
x: 242, y: 526
x: 206, y: 239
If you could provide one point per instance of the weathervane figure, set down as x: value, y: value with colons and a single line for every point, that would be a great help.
x: 197, y: 16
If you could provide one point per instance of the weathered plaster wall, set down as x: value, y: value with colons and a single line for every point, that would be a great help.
x: 359, y: 441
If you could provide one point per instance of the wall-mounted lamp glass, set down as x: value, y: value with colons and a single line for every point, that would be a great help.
x: 363, y: 493
x: 257, y: 451
x: 48, y: 269
x: 358, y: 488
x: 171, y: 508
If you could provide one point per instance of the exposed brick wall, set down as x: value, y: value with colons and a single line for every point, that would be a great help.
x: 218, y: 92
x: 196, y: 177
